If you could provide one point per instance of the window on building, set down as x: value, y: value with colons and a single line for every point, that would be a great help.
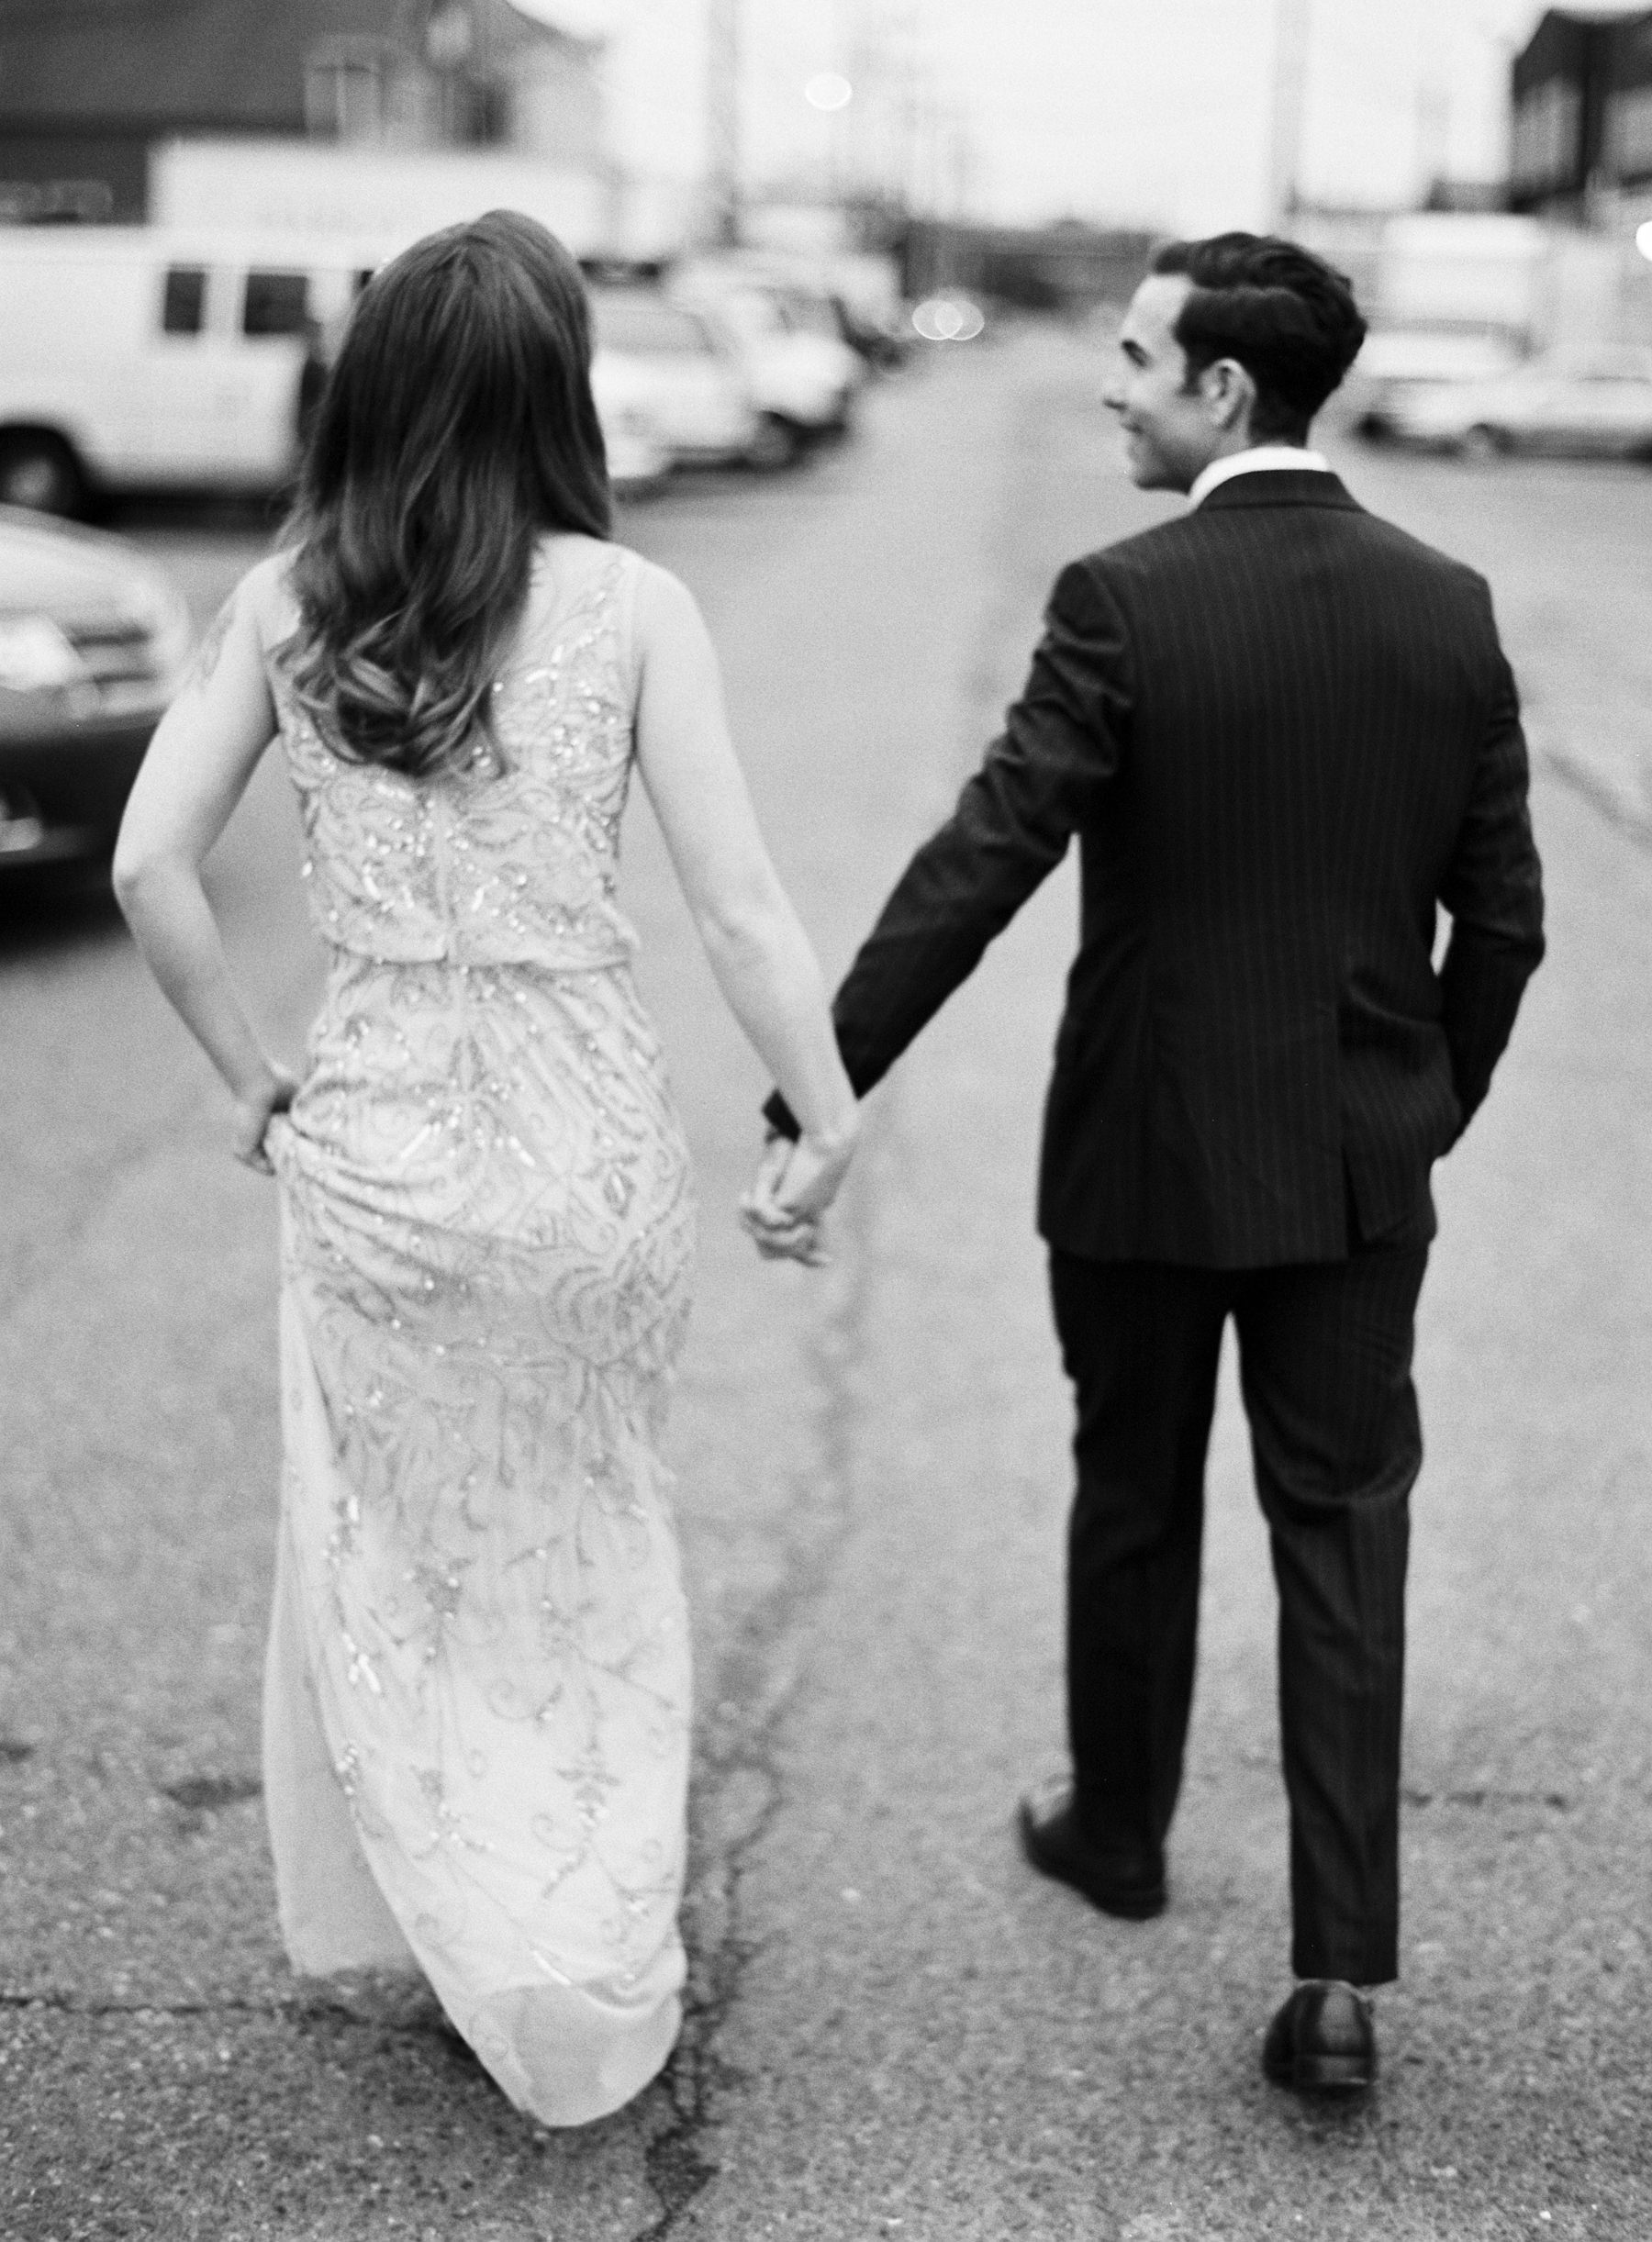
x: 483, y: 118
x: 183, y: 300
x: 1548, y: 136
x: 1629, y: 132
x: 450, y: 37
x: 276, y: 304
x: 344, y: 89
x: 56, y: 202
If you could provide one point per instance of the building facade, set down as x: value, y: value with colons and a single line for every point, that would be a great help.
x: 1582, y: 116
x: 84, y: 95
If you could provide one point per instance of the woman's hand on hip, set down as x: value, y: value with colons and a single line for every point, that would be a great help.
x: 254, y: 1112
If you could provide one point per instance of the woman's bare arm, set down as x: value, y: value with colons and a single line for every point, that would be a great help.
x: 761, y: 958
x: 204, y: 750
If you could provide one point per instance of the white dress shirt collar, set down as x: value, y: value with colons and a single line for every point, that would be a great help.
x: 1261, y: 459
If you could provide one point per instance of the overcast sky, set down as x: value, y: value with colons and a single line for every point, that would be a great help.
x: 1149, y: 110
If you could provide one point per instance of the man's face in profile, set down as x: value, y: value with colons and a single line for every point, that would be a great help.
x: 1169, y: 434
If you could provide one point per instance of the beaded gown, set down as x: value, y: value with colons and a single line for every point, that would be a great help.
x: 477, y: 1689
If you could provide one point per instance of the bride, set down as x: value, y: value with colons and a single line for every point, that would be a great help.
x: 477, y: 1696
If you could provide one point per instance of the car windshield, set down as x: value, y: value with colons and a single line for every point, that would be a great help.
x: 812, y: 315
x: 752, y: 315
x: 647, y: 325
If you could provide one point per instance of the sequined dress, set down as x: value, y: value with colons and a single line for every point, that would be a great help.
x: 477, y: 1691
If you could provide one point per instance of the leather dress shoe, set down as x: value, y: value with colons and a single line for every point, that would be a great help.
x: 1118, y: 1883
x: 1322, y: 2040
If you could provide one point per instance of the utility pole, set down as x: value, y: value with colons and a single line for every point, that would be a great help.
x: 1434, y: 135
x: 722, y: 118
x: 1289, y: 104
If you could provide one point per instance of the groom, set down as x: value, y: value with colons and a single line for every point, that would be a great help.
x: 1285, y: 736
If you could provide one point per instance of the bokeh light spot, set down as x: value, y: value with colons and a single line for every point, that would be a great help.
x: 948, y: 318
x: 826, y: 89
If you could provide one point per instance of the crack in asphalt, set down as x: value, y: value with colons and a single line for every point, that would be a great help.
x: 60, y: 2004
x: 739, y: 1789
x: 679, y: 2167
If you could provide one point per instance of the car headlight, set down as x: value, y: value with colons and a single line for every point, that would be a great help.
x: 36, y: 656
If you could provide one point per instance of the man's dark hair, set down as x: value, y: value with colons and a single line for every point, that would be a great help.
x: 1279, y: 311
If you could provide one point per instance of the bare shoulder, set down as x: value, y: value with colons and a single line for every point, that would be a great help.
x: 254, y: 617
x: 668, y: 619
x: 659, y: 593
x: 265, y: 593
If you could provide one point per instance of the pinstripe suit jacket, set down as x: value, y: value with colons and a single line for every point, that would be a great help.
x: 1284, y: 732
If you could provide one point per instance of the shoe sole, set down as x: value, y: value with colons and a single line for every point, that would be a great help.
x: 1132, y: 1906
x: 1326, y: 2074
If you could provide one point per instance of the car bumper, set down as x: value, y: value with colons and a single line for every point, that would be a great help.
x: 1394, y: 428
x: 815, y: 409
x: 720, y: 452
x: 709, y: 439
x: 635, y: 465
x: 63, y: 790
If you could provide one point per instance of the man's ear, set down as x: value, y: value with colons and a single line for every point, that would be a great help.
x: 1229, y: 391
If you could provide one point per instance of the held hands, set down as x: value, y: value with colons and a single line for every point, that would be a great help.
x: 254, y: 1112
x: 795, y: 1185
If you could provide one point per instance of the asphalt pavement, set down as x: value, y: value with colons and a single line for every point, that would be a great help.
x: 895, y: 2028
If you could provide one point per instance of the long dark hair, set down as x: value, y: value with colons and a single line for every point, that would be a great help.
x: 457, y: 425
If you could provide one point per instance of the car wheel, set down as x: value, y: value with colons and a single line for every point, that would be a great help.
x: 1483, y: 443
x: 777, y: 444
x: 40, y: 471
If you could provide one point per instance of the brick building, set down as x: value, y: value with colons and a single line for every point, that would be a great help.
x: 88, y: 87
x: 1582, y: 114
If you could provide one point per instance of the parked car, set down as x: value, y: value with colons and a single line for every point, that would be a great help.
x: 1397, y: 362
x: 879, y: 337
x: 93, y: 641
x: 1577, y: 402
x: 672, y: 364
x: 638, y: 457
x: 803, y: 376
x: 139, y: 357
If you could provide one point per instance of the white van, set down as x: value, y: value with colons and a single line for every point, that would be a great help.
x: 136, y: 357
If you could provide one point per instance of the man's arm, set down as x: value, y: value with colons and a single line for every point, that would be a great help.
x: 1494, y: 889
x: 1061, y: 745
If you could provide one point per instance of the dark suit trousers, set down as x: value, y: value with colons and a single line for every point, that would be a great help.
x: 1326, y: 1357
